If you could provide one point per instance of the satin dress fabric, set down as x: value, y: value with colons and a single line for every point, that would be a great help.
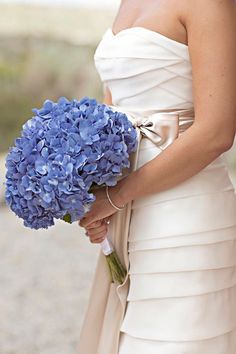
x: 181, y: 242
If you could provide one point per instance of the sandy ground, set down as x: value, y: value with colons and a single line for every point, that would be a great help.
x: 45, y: 278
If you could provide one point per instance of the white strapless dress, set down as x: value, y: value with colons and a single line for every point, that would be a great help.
x: 182, y: 241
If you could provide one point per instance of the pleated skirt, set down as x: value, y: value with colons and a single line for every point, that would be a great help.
x: 182, y: 266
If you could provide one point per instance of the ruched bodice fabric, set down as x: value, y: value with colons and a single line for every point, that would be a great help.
x: 145, y: 70
x: 182, y: 241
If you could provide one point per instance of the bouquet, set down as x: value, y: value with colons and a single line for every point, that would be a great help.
x: 65, y: 151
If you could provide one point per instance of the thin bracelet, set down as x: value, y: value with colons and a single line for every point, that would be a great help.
x: 114, y: 206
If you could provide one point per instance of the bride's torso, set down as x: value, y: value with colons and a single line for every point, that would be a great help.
x: 147, y: 71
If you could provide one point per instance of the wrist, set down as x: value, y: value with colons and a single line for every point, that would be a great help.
x: 118, y: 193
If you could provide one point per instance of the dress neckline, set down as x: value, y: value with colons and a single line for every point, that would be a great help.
x: 158, y: 34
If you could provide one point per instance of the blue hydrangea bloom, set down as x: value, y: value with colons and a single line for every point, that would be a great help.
x: 65, y: 148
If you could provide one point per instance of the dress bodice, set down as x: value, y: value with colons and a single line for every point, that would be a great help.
x: 145, y: 70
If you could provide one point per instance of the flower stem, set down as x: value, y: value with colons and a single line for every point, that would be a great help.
x: 118, y: 272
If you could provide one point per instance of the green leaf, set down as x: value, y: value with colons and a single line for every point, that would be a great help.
x: 67, y: 218
x: 95, y: 187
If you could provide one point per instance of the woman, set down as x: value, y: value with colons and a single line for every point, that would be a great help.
x: 172, y: 63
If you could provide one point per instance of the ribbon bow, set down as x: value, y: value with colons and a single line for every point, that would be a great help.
x: 161, y: 127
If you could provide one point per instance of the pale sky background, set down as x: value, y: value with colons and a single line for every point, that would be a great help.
x: 84, y: 3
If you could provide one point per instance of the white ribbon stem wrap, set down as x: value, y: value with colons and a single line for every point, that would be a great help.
x: 107, y: 247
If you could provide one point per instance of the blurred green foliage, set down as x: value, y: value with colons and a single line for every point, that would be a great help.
x: 32, y: 70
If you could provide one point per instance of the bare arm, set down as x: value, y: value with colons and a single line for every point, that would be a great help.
x: 212, y: 46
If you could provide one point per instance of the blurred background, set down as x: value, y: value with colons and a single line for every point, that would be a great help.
x: 46, y: 51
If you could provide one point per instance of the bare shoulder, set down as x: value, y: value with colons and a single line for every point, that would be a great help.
x: 191, y: 6
x: 204, y: 15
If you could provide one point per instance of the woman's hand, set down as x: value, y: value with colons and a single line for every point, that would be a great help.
x: 97, y: 230
x: 95, y: 220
